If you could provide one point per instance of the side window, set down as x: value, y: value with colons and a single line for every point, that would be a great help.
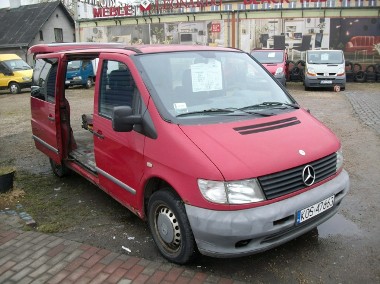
x: 117, y: 88
x: 44, y: 77
x: 2, y: 68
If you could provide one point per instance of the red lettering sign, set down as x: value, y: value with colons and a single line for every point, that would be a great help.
x: 215, y: 28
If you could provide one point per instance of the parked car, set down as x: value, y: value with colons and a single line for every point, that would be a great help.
x: 325, y: 68
x: 218, y: 162
x: 81, y: 72
x: 274, y: 61
x: 15, y: 73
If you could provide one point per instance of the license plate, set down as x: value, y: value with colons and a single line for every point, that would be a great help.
x: 326, y: 82
x: 314, y: 210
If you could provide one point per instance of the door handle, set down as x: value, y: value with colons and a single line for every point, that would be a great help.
x: 99, y: 134
x: 51, y: 118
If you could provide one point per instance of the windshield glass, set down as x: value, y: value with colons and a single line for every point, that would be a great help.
x: 73, y: 65
x: 203, y: 84
x: 17, y: 64
x: 324, y: 57
x: 269, y: 56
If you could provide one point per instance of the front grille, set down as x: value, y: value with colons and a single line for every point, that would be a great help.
x: 288, y: 181
x: 323, y: 74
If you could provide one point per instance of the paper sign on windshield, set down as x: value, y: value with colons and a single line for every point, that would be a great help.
x: 324, y: 56
x: 207, y: 76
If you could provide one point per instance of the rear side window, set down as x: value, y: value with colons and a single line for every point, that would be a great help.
x: 117, y: 88
x: 44, y: 78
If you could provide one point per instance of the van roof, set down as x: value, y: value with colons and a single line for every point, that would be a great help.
x: 90, y: 46
x: 9, y: 56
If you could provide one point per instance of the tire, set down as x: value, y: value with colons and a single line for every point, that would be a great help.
x: 89, y: 83
x: 370, y: 77
x: 300, y: 64
x: 60, y: 170
x: 349, y: 76
x: 377, y: 67
x: 370, y: 68
x: 170, y: 227
x: 357, y: 67
x: 360, y: 76
x: 14, y: 88
x: 350, y: 66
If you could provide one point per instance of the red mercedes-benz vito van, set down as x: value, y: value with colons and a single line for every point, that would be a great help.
x: 199, y: 141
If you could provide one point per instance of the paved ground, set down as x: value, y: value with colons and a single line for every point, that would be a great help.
x: 32, y: 257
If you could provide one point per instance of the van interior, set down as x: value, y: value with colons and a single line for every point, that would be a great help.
x: 80, y: 143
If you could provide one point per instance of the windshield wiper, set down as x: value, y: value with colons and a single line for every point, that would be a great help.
x: 207, y: 111
x: 270, y: 104
x: 224, y: 111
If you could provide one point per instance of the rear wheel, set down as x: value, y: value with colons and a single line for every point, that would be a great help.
x: 60, y: 170
x: 170, y: 227
x: 14, y: 88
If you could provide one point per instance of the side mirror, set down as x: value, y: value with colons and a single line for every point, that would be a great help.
x: 123, y: 120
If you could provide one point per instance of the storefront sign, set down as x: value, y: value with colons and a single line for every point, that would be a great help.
x: 109, y: 8
x: 215, y: 28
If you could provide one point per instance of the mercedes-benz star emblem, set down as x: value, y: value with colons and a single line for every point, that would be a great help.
x: 308, y: 175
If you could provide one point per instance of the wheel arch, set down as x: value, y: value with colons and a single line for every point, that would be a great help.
x: 151, y: 186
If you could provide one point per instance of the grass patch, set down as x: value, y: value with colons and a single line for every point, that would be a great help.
x: 55, y: 204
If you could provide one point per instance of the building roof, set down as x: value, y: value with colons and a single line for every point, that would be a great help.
x: 19, y: 26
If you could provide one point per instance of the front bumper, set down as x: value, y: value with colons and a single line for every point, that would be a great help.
x: 74, y: 82
x: 244, y: 232
x: 317, y: 82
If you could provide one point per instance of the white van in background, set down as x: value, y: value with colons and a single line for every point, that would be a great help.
x: 325, y: 68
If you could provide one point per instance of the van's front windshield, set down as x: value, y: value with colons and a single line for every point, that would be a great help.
x: 211, y: 86
x: 73, y: 65
x: 17, y: 64
x: 268, y: 56
x: 325, y: 57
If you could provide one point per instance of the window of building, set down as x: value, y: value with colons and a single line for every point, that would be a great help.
x: 241, y: 7
x: 228, y: 7
x: 214, y: 8
x: 58, y: 34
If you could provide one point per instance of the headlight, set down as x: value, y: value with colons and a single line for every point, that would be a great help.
x: 233, y: 192
x: 341, y: 72
x: 339, y: 159
x: 26, y: 78
x: 311, y: 72
x: 279, y: 70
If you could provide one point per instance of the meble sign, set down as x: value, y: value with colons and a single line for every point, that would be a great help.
x: 145, y: 5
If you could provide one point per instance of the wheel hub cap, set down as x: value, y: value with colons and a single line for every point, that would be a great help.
x: 168, y: 227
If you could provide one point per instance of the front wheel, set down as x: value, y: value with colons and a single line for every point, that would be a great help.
x: 89, y: 83
x: 14, y: 88
x: 170, y: 227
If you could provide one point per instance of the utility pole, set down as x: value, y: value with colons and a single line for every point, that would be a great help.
x: 75, y: 9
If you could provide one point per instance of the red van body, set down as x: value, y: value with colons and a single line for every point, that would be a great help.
x: 274, y: 61
x: 199, y: 141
